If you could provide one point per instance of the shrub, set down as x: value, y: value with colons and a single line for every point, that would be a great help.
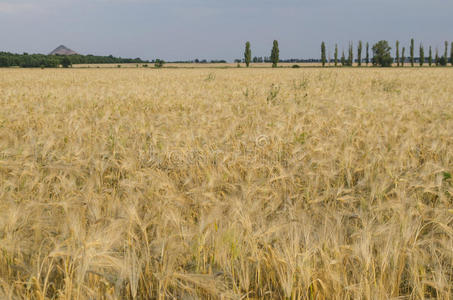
x: 159, y: 63
x: 382, y: 55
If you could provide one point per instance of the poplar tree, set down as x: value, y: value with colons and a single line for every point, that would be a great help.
x: 359, y: 53
x: 323, y: 54
x: 451, y: 53
x: 398, y: 53
x: 367, y: 58
x: 350, y: 55
x: 437, y: 58
x: 430, y: 57
x: 335, y: 55
x: 275, y: 54
x: 343, y: 59
x: 446, y: 52
x: 412, y: 52
x: 403, y: 58
x: 247, y: 54
x: 422, y: 55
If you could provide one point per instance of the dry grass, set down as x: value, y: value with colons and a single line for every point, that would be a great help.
x: 304, y: 184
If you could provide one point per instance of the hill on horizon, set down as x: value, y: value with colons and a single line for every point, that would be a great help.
x: 62, y: 50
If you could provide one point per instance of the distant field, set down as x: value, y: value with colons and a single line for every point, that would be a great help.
x: 194, y: 65
x: 223, y: 65
x: 198, y: 183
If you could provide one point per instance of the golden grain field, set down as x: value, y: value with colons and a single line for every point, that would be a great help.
x: 226, y: 184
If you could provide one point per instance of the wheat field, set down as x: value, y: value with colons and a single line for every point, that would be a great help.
x: 226, y: 184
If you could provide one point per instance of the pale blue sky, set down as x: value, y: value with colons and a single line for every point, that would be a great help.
x: 215, y: 29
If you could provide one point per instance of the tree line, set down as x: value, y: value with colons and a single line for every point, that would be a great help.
x: 381, y: 55
x: 26, y: 60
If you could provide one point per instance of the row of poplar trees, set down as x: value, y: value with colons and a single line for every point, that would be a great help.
x: 399, y: 59
x: 381, y: 55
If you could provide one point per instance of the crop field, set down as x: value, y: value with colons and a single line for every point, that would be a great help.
x: 226, y: 184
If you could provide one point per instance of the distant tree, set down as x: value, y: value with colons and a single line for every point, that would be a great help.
x: 436, y: 60
x: 335, y: 55
x: 323, y: 54
x: 359, y: 53
x: 422, y: 55
x: 350, y: 54
x: 430, y: 57
x: 343, y: 59
x: 4, y: 62
x: 451, y: 53
x: 446, y: 51
x: 443, y: 61
x: 247, y: 54
x: 412, y: 53
x: 382, y: 55
x: 66, y: 62
x: 54, y: 61
x: 403, y: 57
x: 159, y: 63
x: 367, y: 59
x: 275, y: 54
x: 398, y: 53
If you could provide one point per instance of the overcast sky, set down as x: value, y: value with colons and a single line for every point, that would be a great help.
x: 217, y: 29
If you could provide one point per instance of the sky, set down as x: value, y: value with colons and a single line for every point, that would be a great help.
x: 218, y: 29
